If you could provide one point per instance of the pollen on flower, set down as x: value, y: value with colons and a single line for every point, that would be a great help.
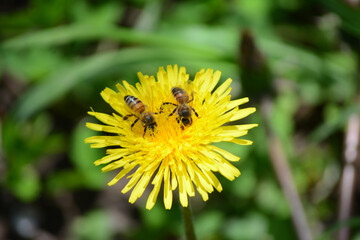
x: 176, y: 153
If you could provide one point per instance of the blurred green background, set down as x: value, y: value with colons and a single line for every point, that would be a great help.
x: 57, y: 55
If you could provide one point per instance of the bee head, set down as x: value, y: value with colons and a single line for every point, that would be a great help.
x: 186, y: 121
x: 152, y: 126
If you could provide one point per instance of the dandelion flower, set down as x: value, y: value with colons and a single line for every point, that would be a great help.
x: 172, y: 156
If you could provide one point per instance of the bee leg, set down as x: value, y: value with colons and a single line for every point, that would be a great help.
x: 165, y: 103
x: 127, y: 116
x: 195, y: 112
x: 173, y: 112
x: 192, y: 98
x: 132, y: 125
x: 144, y: 132
x: 178, y: 119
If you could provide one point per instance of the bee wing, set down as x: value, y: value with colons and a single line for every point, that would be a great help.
x: 147, y: 109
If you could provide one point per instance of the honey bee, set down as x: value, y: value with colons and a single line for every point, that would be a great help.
x: 182, y: 108
x: 139, y: 109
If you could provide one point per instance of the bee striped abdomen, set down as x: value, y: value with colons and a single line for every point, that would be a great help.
x: 134, y: 104
x: 180, y: 95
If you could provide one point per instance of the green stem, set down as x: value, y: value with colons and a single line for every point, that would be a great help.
x: 188, y: 222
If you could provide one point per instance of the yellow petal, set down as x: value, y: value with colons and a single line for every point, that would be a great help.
x: 241, y: 141
x: 173, y: 182
x: 243, y: 113
x: 229, y: 171
x: 141, y: 185
x: 105, y: 118
x: 214, y: 181
x: 154, y: 193
x: 168, y: 197
x: 122, y: 173
x: 237, y: 102
x: 139, y: 172
x: 226, y: 154
x: 223, y: 87
x: 112, y: 157
x: 103, y: 141
x: 187, y: 182
x: 104, y: 128
x: 107, y: 93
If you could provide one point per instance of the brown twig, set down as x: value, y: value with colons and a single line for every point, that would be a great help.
x: 257, y: 82
x: 284, y: 175
x: 348, y: 177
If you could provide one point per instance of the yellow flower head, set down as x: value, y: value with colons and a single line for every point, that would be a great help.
x: 173, y: 153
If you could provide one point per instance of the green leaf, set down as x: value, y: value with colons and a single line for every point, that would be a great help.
x: 336, y: 119
x: 27, y: 186
x: 24, y: 144
x: 245, y: 185
x: 272, y: 200
x: 99, y: 65
x: 65, y: 180
x: 34, y: 64
x: 349, y: 15
x: 85, y: 31
x: 93, y: 225
x: 104, y: 14
x: 209, y: 224
x: 156, y: 218
x: 253, y: 226
x: 350, y: 223
x: 84, y: 157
